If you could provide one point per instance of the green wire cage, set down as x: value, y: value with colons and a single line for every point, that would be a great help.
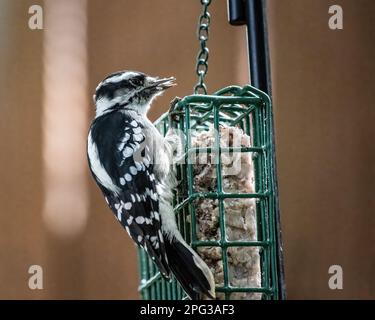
x: 249, y: 110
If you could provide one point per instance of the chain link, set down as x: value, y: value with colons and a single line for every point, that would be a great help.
x: 202, y: 58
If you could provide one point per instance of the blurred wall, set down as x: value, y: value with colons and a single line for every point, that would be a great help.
x: 22, y: 235
x: 150, y: 36
x: 322, y: 83
x: 323, y: 86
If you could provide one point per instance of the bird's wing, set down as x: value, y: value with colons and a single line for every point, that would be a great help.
x: 137, y: 205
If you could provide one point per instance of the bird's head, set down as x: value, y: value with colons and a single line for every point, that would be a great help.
x: 129, y: 89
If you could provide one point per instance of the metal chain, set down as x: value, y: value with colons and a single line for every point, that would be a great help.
x: 202, y: 58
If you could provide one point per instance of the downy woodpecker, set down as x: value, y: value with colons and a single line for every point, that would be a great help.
x: 132, y: 163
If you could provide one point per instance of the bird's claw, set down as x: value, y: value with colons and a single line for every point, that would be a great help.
x: 172, y: 105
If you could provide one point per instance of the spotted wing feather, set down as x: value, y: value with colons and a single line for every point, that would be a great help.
x: 130, y: 166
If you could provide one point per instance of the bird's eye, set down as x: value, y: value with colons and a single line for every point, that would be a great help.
x: 136, y: 82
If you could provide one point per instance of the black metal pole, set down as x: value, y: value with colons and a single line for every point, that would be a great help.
x: 258, y: 45
x: 252, y: 13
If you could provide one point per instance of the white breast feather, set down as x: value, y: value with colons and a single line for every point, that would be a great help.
x: 97, y: 168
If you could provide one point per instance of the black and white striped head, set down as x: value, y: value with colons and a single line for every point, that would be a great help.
x: 129, y: 89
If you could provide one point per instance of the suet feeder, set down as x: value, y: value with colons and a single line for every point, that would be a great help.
x: 249, y: 110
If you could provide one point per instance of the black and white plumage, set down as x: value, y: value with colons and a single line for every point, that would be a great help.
x: 132, y: 163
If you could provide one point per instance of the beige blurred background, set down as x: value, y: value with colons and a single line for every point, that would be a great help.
x: 52, y: 214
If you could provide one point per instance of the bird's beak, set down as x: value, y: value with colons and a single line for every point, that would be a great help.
x: 163, y: 84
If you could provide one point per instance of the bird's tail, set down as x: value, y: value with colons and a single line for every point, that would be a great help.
x: 189, y: 269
